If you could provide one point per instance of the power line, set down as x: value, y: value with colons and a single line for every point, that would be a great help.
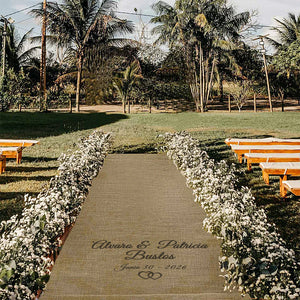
x: 258, y: 26
x: 136, y: 14
x: 24, y: 20
x: 21, y: 10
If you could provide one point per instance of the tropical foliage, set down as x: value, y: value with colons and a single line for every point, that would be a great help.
x: 81, y: 24
x: 125, y: 83
x: 206, y: 30
x: 287, y: 31
x: 286, y: 60
x: 18, y: 50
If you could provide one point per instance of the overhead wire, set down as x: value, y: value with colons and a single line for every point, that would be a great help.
x: 21, y: 10
x: 258, y: 26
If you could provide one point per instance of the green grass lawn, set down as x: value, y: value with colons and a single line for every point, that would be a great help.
x: 59, y: 132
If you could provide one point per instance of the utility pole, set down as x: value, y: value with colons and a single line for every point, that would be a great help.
x: 4, y: 35
x: 43, y: 91
x: 4, y: 45
x: 263, y: 52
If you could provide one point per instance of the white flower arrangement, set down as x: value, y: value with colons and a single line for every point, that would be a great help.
x: 255, y: 258
x: 27, y: 241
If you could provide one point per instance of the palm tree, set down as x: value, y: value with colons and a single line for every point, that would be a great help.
x: 125, y: 83
x: 286, y: 59
x: 17, y: 54
x: 288, y: 31
x: 202, y: 28
x: 83, y: 24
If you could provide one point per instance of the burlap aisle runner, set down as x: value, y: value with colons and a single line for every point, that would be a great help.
x: 139, y: 236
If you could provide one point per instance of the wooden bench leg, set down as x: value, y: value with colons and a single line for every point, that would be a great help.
x: 266, y: 177
x: 249, y: 166
x: 19, y: 157
x: 283, y: 191
x: 2, y: 164
x: 240, y: 158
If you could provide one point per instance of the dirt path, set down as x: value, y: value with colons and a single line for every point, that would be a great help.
x: 139, y: 236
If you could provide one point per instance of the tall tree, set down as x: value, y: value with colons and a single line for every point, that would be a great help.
x: 202, y: 28
x: 125, y: 83
x: 286, y: 60
x: 287, y: 31
x: 18, y: 50
x: 83, y: 24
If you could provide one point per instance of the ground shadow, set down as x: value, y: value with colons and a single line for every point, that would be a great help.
x: 21, y: 169
x: 10, y: 179
x: 33, y: 125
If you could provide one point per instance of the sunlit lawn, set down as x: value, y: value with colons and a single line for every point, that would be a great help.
x: 59, y: 132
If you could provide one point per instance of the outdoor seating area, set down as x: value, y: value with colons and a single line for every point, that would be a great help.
x: 279, y: 157
x: 13, y: 149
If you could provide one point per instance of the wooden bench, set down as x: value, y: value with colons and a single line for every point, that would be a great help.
x: 12, y: 152
x: 240, y: 150
x: 282, y: 169
x: 290, y: 185
x: 2, y: 163
x: 17, y: 143
x: 256, y: 158
x: 265, y: 141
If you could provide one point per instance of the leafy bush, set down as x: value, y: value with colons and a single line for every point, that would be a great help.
x: 241, y: 91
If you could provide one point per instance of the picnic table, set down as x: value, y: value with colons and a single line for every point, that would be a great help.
x: 240, y: 150
x: 256, y: 158
x: 264, y: 141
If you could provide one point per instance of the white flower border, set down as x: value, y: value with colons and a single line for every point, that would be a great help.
x: 27, y: 240
x: 255, y: 258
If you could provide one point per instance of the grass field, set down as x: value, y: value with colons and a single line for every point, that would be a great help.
x: 59, y: 132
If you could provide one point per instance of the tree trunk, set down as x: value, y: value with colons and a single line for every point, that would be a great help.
x: 229, y: 103
x: 149, y: 105
x: 43, y: 92
x: 210, y: 80
x: 221, y: 89
x: 20, y: 107
x: 70, y: 104
x: 254, y: 100
x: 201, y: 80
x: 124, y: 105
x: 129, y: 106
x: 78, y: 87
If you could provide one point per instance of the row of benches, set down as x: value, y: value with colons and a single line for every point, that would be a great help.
x: 13, y: 149
x: 275, y: 157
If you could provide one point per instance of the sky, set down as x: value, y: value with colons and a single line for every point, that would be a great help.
x: 266, y: 10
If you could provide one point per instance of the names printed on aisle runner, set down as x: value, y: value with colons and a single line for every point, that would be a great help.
x: 153, y: 257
